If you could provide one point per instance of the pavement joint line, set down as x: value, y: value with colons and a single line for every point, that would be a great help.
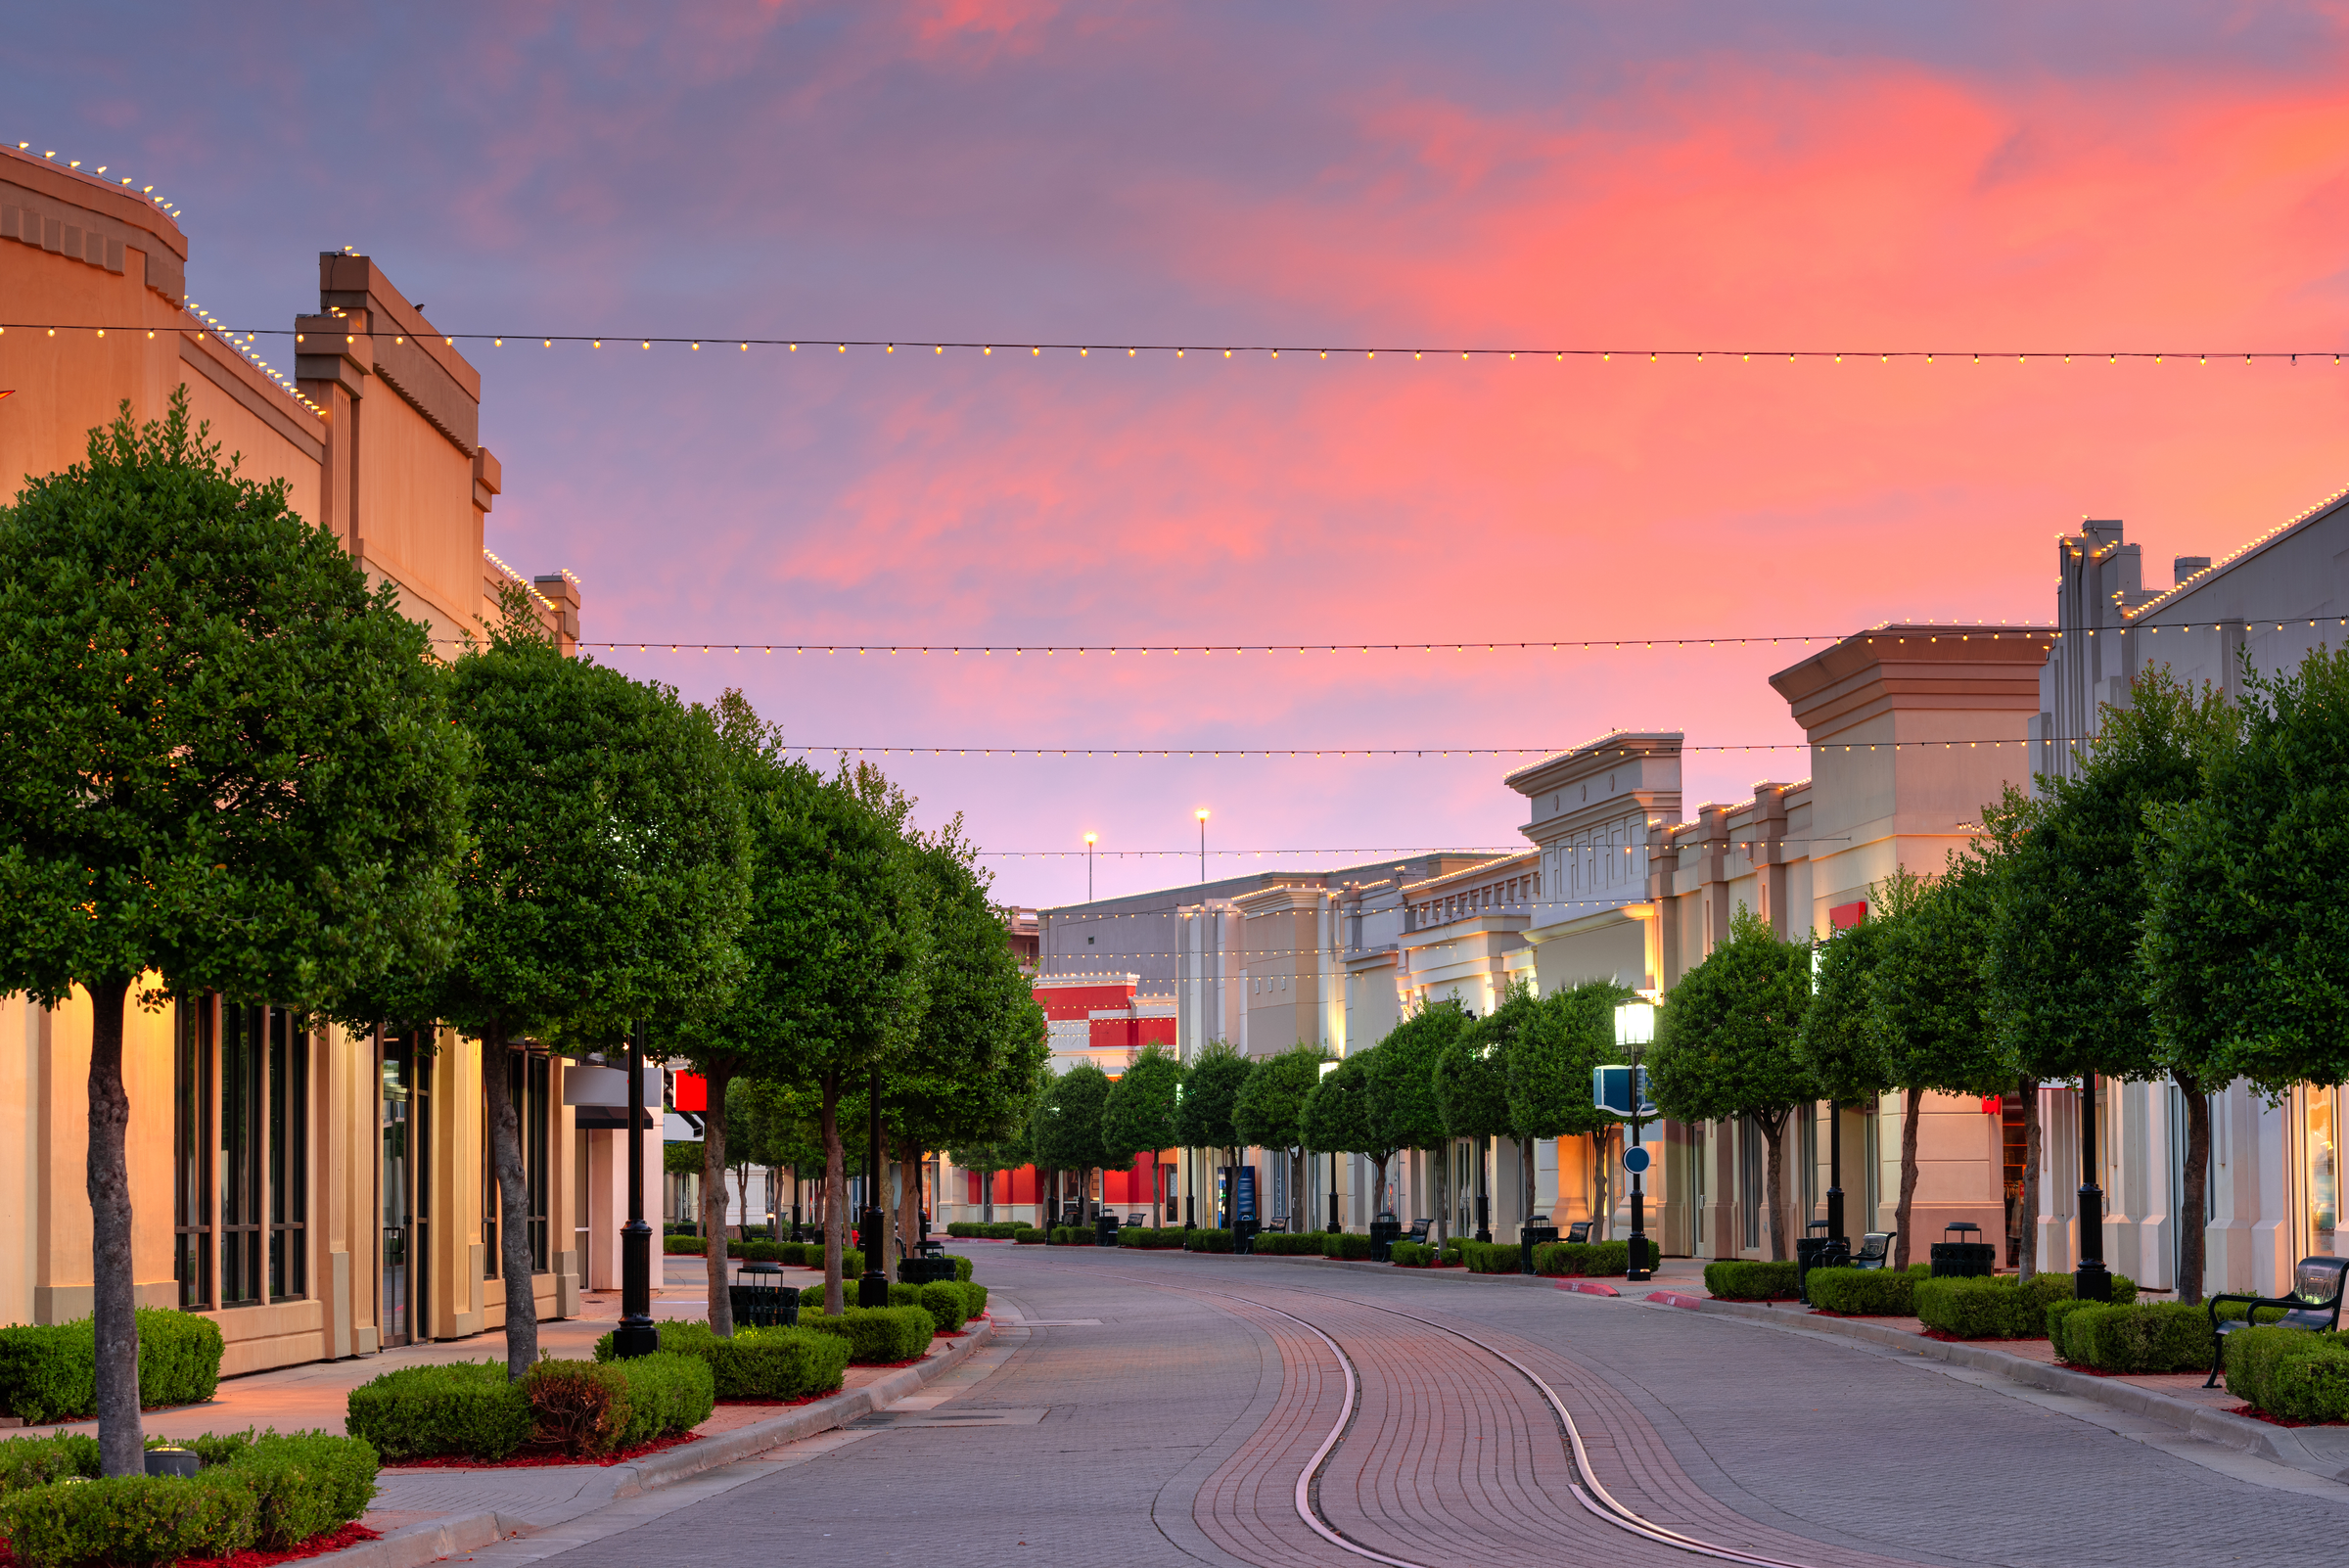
x: 431, y: 1540
x: 2279, y: 1445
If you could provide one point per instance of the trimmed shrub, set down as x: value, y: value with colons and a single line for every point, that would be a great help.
x: 1491, y: 1257
x: 756, y: 1362
x: 1452, y: 1249
x: 271, y: 1492
x: 1028, y: 1236
x: 1737, y: 1279
x: 1345, y: 1244
x: 1411, y: 1254
x: 680, y: 1245
x: 878, y: 1335
x: 974, y: 1297
x: 1288, y: 1244
x: 1996, y: 1306
x: 466, y: 1408
x: 1868, y: 1292
x: 1209, y: 1241
x: 49, y: 1371
x: 943, y: 1300
x: 2168, y: 1336
x: 1597, y: 1258
x: 983, y: 1229
x: 2290, y: 1372
x: 1071, y: 1236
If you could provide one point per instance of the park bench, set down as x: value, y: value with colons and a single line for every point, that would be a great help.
x: 1418, y: 1232
x: 1579, y: 1233
x: 1876, y: 1250
x: 2313, y: 1304
x: 1137, y: 1217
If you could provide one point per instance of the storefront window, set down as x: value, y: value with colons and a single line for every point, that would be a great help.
x: 192, y: 1155
x: 2323, y: 1131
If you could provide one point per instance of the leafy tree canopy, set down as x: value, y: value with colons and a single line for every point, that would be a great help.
x: 2242, y: 939
x: 1140, y: 1115
x: 1928, y: 1004
x: 1568, y: 1033
x: 1269, y: 1107
x: 1337, y: 1116
x: 1725, y: 1043
x: 1068, y: 1120
x: 1472, y: 1071
x: 1211, y: 1089
x: 1837, y: 1042
x: 1402, y: 1074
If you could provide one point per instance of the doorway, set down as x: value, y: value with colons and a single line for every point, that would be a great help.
x: 406, y: 1123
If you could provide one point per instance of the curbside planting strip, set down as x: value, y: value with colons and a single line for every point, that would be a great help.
x: 435, y: 1538
x: 2282, y: 1445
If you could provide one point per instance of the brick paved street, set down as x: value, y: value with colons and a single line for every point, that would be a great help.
x: 1183, y: 1396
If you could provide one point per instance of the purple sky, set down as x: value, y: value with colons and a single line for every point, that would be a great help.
x: 1840, y: 175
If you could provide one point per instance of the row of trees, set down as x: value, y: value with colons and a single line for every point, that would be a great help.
x: 237, y: 768
x: 2169, y: 910
x: 1523, y: 1072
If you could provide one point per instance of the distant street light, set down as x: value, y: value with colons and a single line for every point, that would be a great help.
x: 1636, y: 1028
x: 1328, y: 1068
x: 1203, y: 844
x: 1090, y: 840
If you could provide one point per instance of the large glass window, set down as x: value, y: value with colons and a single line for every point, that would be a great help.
x: 2323, y: 1122
x: 1750, y: 1179
x: 289, y: 1156
x: 244, y: 1185
x: 192, y: 1154
x: 527, y: 1081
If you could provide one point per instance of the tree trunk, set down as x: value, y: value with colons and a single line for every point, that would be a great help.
x: 1773, y: 1134
x: 909, y: 1200
x: 1602, y: 1189
x: 1441, y: 1232
x: 1378, y: 1192
x: 742, y: 1193
x: 1911, y: 1110
x: 716, y: 1075
x: 835, y: 1183
x: 513, y: 1201
x: 1525, y: 1193
x: 2193, y: 1220
x: 115, y: 1300
x: 2027, y: 1255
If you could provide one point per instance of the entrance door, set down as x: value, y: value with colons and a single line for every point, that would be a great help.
x: 396, y: 1077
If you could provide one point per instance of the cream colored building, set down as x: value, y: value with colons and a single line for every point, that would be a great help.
x: 317, y: 1193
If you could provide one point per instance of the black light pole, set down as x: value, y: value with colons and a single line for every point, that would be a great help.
x: 1203, y: 844
x: 635, y: 1335
x: 1088, y: 865
x: 872, y: 1287
x: 1635, y: 1027
x: 1835, y: 1172
x: 2090, y: 1282
x: 1333, y: 1191
x: 1484, y: 1199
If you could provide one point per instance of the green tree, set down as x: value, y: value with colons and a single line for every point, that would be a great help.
x: 1472, y: 1081
x: 1009, y: 1152
x: 1338, y: 1117
x: 763, y: 1131
x: 1549, y: 1064
x: 1140, y: 1115
x: 230, y: 769
x: 1724, y: 1044
x: 1211, y: 1088
x: 1929, y: 1005
x: 1403, y: 1088
x: 2072, y: 896
x: 844, y: 951
x: 606, y: 884
x: 2244, y: 867
x: 1067, y: 1126
x: 1269, y: 1113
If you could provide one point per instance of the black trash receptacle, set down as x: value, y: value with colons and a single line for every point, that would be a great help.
x: 1243, y: 1234
x: 1385, y: 1231
x: 1962, y: 1258
x: 1105, y: 1230
x: 1528, y: 1238
x: 924, y: 1270
x: 758, y: 1299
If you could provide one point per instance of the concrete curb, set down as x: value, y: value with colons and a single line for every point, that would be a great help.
x: 435, y: 1539
x: 2280, y: 1444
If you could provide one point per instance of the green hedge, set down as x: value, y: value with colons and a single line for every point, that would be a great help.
x: 2294, y: 1373
x: 1345, y: 1244
x: 466, y: 1408
x: 983, y: 1229
x: 1603, y: 1259
x: 49, y: 1371
x: 1288, y: 1244
x: 878, y: 1335
x: 1868, y: 1292
x: 1028, y: 1236
x: 1491, y: 1257
x: 943, y: 1300
x: 694, y: 1245
x: 1738, y: 1279
x: 757, y: 1364
x: 588, y: 1408
x: 1411, y: 1253
x: 266, y: 1492
x: 2169, y: 1336
x: 1996, y: 1306
x: 1208, y: 1241
x: 975, y: 1295
x: 1146, y: 1238
x: 1071, y: 1236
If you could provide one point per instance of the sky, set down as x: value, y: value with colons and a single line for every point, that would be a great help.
x: 1964, y: 178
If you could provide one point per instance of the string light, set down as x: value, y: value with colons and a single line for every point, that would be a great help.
x: 1439, y: 752
x: 1269, y: 351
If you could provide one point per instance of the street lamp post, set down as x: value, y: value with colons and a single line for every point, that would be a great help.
x: 2090, y: 1282
x: 635, y: 1335
x: 872, y: 1287
x: 1203, y: 844
x: 1636, y: 1028
x: 1328, y: 1068
x: 1090, y: 840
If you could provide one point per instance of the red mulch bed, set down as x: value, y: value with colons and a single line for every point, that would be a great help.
x: 318, y: 1546
x: 529, y: 1458
x: 2258, y: 1414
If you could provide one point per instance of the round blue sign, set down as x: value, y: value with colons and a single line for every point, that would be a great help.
x: 1634, y: 1159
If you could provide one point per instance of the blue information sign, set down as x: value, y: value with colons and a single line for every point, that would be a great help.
x: 1611, y: 1091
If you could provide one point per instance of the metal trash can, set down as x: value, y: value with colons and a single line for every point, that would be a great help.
x: 1105, y: 1230
x: 1528, y: 1238
x: 924, y: 1270
x: 1243, y: 1234
x: 1385, y: 1231
x: 171, y: 1460
x: 1962, y: 1258
x: 760, y: 1300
